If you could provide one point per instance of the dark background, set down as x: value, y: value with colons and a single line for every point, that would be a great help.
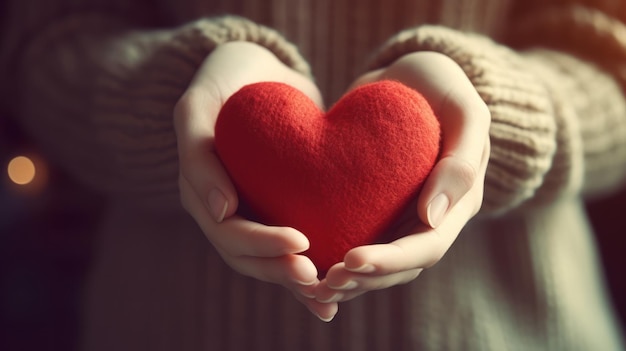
x: 45, y: 249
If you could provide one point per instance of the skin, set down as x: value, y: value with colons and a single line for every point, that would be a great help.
x: 271, y: 254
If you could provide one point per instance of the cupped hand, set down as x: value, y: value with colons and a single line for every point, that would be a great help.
x: 451, y: 196
x: 262, y: 252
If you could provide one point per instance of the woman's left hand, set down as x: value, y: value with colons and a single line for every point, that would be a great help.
x: 451, y: 195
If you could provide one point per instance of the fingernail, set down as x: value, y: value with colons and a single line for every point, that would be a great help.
x: 366, y: 268
x: 307, y: 294
x: 349, y: 285
x: 335, y: 298
x: 325, y: 319
x: 218, y: 205
x: 437, y: 209
x: 303, y: 283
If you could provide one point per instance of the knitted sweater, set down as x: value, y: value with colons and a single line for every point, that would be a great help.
x: 95, y: 82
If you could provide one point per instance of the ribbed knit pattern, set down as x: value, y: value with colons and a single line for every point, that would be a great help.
x: 592, y: 93
x: 523, y: 128
x: 166, y: 288
x: 95, y: 84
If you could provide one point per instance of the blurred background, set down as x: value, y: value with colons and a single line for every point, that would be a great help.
x: 47, y: 224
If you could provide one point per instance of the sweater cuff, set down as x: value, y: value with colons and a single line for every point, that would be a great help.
x: 523, y: 129
x: 590, y: 103
x: 580, y: 52
x: 187, y: 49
x: 199, y: 38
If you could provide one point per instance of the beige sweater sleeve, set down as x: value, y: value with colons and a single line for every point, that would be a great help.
x: 98, y: 95
x: 558, y: 121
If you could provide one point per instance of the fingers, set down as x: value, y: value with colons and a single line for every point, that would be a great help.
x: 295, y: 272
x: 464, y: 120
x: 262, y: 252
x: 343, y: 285
x: 211, y: 184
x: 375, y: 267
x: 325, y: 311
x: 451, y: 178
x: 421, y: 250
x: 292, y: 271
x: 253, y: 249
x: 200, y: 167
x: 239, y: 237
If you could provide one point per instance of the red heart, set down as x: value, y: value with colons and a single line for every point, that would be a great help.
x: 341, y: 177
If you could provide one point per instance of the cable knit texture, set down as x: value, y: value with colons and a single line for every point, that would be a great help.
x: 95, y: 82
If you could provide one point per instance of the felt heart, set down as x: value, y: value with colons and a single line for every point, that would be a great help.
x: 340, y: 177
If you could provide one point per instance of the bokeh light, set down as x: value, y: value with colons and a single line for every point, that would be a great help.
x: 26, y: 174
x: 21, y: 170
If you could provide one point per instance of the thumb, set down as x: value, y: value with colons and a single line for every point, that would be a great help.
x: 199, y: 165
x: 213, y: 186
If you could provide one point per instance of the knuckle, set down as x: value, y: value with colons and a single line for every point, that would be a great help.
x: 264, y: 243
x: 481, y: 110
x: 188, y: 162
x: 231, y: 261
x: 409, y: 276
x: 241, y: 266
x: 434, y: 258
x: 208, y: 94
x: 479, y: 203
x: 182, y: 110
x: 466, y: 172
x: 241, y: 269
x: 439, y: 249
x: 476, y: 209
x: 182, y: 193
x: 380, y: 284
x: 185, y: 203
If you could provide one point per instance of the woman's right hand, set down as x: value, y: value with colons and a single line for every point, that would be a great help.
x: 266, y: 253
